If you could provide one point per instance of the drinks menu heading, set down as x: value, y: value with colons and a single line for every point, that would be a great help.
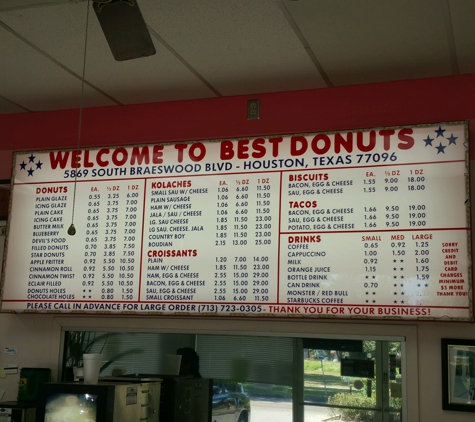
x: 365, y: 224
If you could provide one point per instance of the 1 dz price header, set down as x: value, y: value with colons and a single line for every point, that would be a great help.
x: 356, y: 224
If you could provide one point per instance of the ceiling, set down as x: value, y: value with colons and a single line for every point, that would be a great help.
x: 217, y: 48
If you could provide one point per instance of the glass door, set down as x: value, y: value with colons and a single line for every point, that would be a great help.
x: 349, y: 380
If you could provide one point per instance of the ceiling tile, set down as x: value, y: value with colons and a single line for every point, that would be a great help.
x: 32, y: 81
x: 8, y: 107
x: 60, y: 31
x: 226, y: 47
x: 18, y: 4
x: 462, y: 13
x: 368, y: 41
x: 239, y: 46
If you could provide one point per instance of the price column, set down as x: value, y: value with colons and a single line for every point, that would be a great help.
x: 264, y: 227
x: 129, y: 238
x: 392, y: 192
x: 112, y: 219
x: 90, y: 258
x: 223, y: 225
x: 240, y: 240
x: 109, y: 242
x: 371, y: 253
x: 417, y: 215
x: 392, y: 216
x: 247, y: 209
x: 398, y: 247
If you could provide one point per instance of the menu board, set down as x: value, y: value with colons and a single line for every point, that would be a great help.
x: 365, y: 224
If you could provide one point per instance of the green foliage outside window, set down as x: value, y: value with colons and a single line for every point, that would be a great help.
x: 360, y: 400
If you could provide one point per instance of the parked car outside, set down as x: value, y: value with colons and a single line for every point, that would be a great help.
x: 320, y: 354
x: 231, y: 403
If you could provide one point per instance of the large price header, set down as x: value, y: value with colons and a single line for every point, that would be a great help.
x: 364, y: 224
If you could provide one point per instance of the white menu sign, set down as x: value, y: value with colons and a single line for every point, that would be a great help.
x: 365, y: 224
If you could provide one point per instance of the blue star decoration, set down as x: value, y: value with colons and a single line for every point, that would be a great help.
x: 452, y: 139
x: 441, y: 147
x: 36, y: 165
x: 428, y: 140
x: 440, y: 132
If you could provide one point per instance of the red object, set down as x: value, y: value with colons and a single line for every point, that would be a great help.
x: 352, y: 107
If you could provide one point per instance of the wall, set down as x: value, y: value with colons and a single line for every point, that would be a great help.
x: 362, y: 106
x: 38, y: 339
x: 389, y: 104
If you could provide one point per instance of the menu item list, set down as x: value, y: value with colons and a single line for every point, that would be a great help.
x: 366, y: 224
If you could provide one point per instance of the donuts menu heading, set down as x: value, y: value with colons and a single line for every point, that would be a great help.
x: 365, y: 224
